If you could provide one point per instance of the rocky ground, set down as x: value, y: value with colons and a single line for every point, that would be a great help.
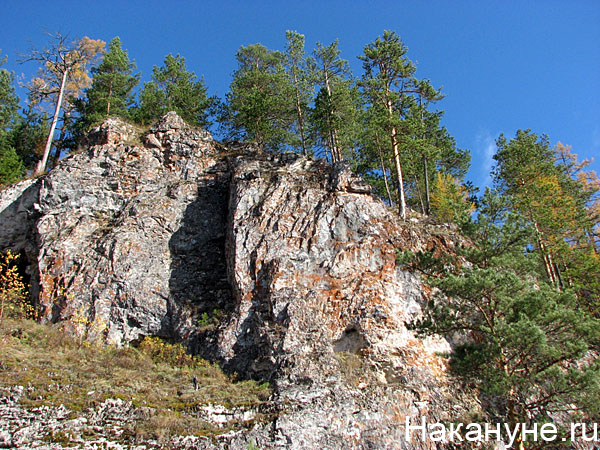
x: 105, y: 427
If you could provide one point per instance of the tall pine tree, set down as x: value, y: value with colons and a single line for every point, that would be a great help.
x: 540, y: 188
x: 333, y: 104
x: 387, y: 79
x: 302, y: 77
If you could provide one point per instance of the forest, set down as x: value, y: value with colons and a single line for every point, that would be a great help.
x: 527, y: 289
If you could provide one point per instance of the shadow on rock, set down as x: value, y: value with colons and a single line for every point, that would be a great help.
x: 200, y: 295
x: 18, y: 232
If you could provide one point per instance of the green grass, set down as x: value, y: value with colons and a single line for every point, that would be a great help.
x: 58, y: 369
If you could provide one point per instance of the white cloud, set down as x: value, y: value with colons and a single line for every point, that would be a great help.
x: 483, y: 158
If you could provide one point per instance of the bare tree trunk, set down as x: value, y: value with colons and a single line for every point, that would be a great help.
x: 394, y: 134
x: 332, y: 133
x: 402, y: 203
x: 419, y: 194
x: 551, y: 269
x: 384, y: 170
x: 300, y: 116
x: 108, y: 102
x: 41, y: 166
x: 427, y: 198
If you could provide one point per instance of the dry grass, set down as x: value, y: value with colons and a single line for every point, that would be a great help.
x: 57, y: 369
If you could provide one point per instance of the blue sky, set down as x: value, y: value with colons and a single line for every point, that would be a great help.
x: 504, y: 65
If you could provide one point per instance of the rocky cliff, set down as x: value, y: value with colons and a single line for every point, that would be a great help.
x: 278, y: 267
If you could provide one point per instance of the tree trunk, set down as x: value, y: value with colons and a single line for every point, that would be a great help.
x: 108, y: 101
x: 425, y: 169
x: 402, y: 203
x: 41, y: 166
x: 337, y: 155
x: 551, y: 269
x: 384, y: 170
x: 393, y: 135
x: 300, y: 117
x: 427, y: 198
x: 420, y: 195
x: 61, y: 138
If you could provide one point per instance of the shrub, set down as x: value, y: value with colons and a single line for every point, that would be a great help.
x: 163, y: 352
x: 13, y: 292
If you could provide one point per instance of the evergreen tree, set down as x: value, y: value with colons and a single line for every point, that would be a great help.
x: 11, y: 166
x: 29, y: 136
x: 387, y: 80
x: 174, y: 88
x: 409, y: 136
x: 299, y: 69
x: 335, y: 120
x: 333, y: 101
x: 424, y: 146
x: 9, y: 101
x: 373, y: 158
x: 152, y: 104
x: 522, y: 341
x: 111, y: 93
x: 555, y: 203
x: 261, y: 105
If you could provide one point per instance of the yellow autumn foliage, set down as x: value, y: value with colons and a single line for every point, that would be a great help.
x: 13, y: 292
x: 450, y: 199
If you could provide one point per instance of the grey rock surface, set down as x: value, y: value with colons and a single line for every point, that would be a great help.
x: 294, y: 262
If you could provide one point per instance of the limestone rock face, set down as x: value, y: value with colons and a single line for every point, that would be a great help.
x: 292, y: 261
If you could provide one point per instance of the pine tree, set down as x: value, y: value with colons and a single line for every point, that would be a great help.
x: 152, y: 104
x: 299, y: 69
x: 9, y: 101
x: 111, y: 93
x: 424, y: 133
x: 331, y: 72
x: 374, y: 155
x: 521, y: 340
x: 29, y: 135
x: 556, y: 204
x: 387, y: 79
x: 261, y: 105
x: 11, y: 165
x: 174, y: 88
x: 335, y: 120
